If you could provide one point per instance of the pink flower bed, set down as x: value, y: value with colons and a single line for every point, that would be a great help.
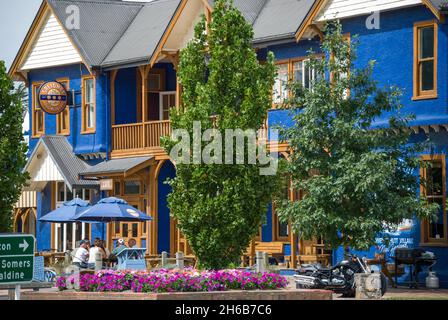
x: 162, y: 281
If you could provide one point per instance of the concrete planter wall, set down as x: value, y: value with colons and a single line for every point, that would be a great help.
x: 368, y: 286
x: 204, y: 296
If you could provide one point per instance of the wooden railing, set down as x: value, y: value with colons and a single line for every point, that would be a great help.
x: 138, y: 136
x: 141, y: 136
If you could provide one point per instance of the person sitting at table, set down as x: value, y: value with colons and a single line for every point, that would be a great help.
x: 120, y: 246
x: 94, y: 251
x: 132, y: 243
x: 81, y: 258
x: 103, y: 246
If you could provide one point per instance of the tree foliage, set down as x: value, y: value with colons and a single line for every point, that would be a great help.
x: 220, y: 207
x: 12, y: 149
x: 357, y: 179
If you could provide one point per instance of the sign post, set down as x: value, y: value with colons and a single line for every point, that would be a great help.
x: 16, y: 260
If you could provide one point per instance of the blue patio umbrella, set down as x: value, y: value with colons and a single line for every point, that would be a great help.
x: 112, y: 210
x: 67, y: 213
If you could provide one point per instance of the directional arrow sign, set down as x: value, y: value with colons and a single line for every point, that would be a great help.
x: 16, y: 258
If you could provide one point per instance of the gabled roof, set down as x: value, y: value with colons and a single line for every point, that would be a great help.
x: 140, y: 40
x: 102, y: 24
x: 111, y: 32
x: 281, y: 19
x: 69, y: 166
x: 273, y: 19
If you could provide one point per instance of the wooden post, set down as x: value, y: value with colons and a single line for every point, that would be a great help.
x: 153, y: 207
x: 113, y: 76
x: 144, y: 70
x: 293, y: 250
x: 252, y: 253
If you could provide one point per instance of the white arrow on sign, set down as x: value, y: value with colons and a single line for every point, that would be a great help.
x: 24, y: 245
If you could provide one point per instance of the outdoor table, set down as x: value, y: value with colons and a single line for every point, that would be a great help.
x: 131, y: 259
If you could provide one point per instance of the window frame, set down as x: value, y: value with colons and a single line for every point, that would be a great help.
x: 59, y: 116
x: 168, y: 94
x: 84, y: 128
x: 34, y: 110
x: 425, y: 224
x: 418, y: 93
x: 276, y: 221
x: 290, y: 62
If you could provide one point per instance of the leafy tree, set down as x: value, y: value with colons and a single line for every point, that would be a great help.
x: 220, y: 207
x: 12, y: 149
x: 357, y: 180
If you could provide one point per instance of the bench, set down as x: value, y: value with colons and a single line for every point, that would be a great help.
x: 35, y: 286
x: 275, y: 250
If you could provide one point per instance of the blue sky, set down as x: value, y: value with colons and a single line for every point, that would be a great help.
x: 15, y: 19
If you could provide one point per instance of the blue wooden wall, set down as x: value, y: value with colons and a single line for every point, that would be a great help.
x: 82, y: 143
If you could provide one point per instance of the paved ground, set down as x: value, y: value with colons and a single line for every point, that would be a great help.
x: 416, y: 294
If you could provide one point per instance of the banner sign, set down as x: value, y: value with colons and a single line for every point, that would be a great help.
x: 53, y: 97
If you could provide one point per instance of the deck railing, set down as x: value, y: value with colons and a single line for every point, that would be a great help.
x: 141, y: 136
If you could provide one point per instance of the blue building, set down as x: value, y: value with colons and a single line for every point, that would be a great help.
x: 119, y: 63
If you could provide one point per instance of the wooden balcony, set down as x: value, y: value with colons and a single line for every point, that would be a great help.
x: 139, y: 138
x: 144, y: 138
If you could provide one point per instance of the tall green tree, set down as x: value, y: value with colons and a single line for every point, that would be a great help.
x: 357, y: 179
x: 12, y: 149
x: 220, y: 207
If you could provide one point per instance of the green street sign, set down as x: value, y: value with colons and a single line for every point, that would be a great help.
x: 16, y: 258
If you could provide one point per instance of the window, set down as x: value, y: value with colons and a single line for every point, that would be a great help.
x: 132, y: 187
x: 68, y: 235
x: 280, y: 86
x: 167, y: 102
x: 63, y: 119
x: 38, y: 115
x: 303, y: 74
x: 294, y: 69
x: 88, y: 105
x: 281, y: 229
x: 433, y: 188
x: 425, y: 60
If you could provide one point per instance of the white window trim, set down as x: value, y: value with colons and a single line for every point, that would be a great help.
x: 64, y: 226
x: 162, y: 94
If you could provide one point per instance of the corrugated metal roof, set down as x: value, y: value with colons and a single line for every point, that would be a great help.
x: 116, y: 166
x: 102, y: 24
x: 69, y: 165
x: 144, y: 34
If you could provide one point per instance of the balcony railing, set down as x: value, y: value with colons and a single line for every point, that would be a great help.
x: 140, y: 137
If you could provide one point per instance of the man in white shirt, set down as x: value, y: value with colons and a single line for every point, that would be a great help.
x: 82, y: 255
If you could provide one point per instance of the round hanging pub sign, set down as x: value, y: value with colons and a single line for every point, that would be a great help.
x: 53, y: 97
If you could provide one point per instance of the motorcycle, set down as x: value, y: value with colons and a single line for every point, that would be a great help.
x: 339, y: 278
